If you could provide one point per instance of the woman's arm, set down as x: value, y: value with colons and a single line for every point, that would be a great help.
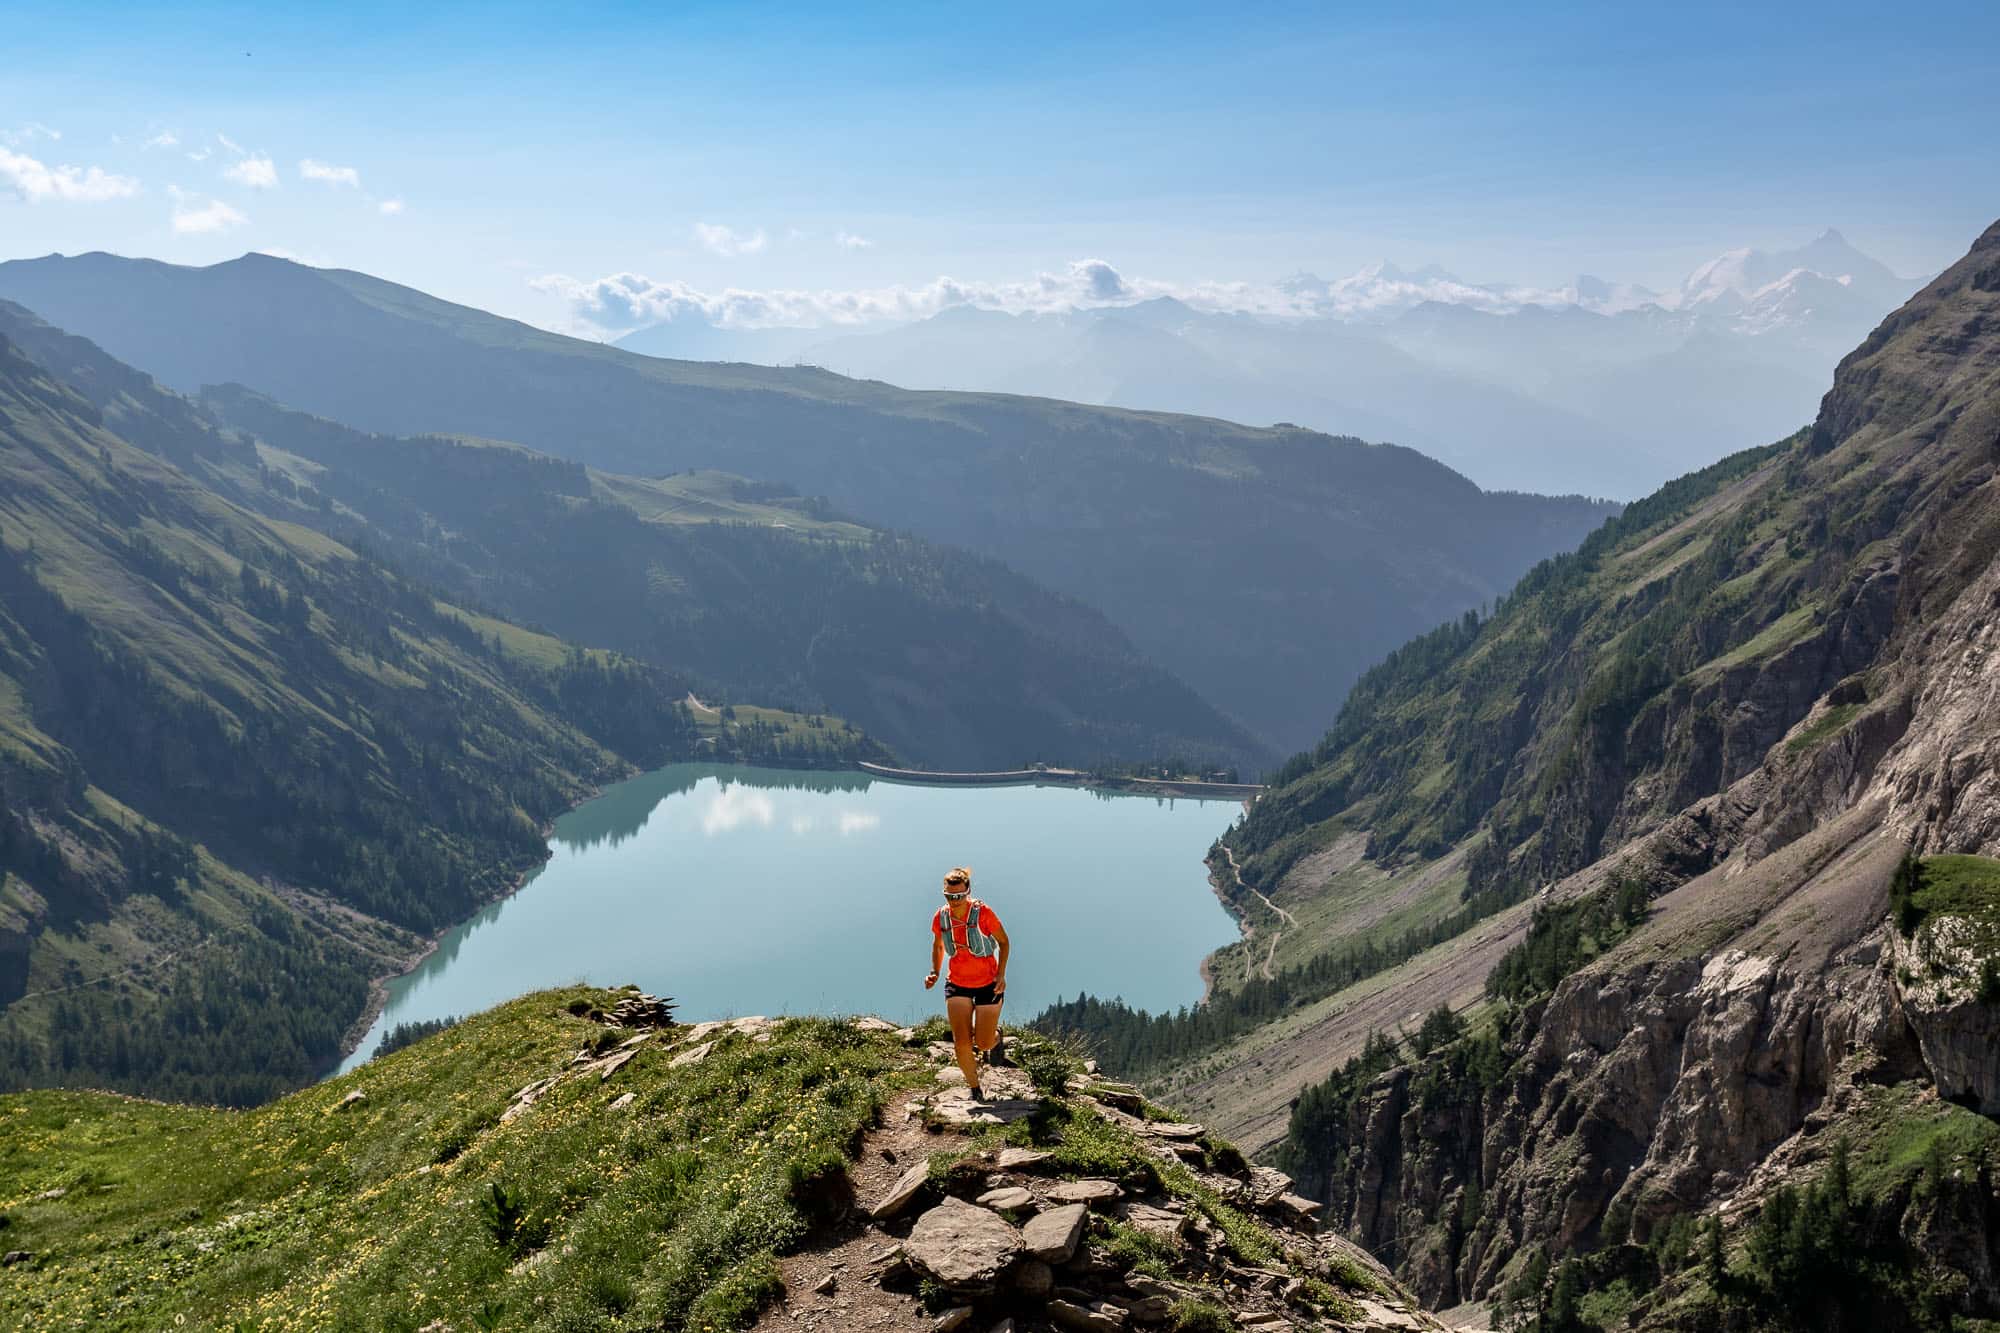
x: 937, y: 959
x: 1000, y: 977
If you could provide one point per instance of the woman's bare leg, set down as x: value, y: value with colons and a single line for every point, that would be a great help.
x: 959, y: 1008
x: 986, y: 1026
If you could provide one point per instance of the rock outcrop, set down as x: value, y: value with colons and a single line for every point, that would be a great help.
x: 1010, y: 1238
x: 1770, y: 1005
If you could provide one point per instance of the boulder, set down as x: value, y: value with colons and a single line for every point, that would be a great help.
x: 905, y: 1189
x: 622, y: 1100
x: 1034, y: 1279
x: 1173, y: 1129
x: 956, y: 1107
x: 1008, y: 1200
x: 1300, y: 1209
x: 953, y: 1319
x: 1054, y: 1235
x: 1093, y: 1192
x: 1123, y: 1099
x: 962, y: 1247
x: 1160, y: 1222
x: 1022, y: 1159
x: 611, y: 1064
x: 355, y: 1098
x: 1151, y: 1310
x: 1095, y: 1317
x: 642, y: 1011
x: 693, y: 1055
x: 1267, y: 1186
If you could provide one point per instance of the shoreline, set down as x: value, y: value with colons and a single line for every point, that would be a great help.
x: 1245, y: 930
x: 378, y: 985
x: 1067, y: 777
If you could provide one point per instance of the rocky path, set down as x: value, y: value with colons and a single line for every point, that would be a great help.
x: 835, y: 1284
x: 1271, y: 953
x: 1006, y: 1243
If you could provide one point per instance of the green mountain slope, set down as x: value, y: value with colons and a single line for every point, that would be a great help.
x: 1707, y: 812
x: 243, y: 764
x: 542, y: 1167
x: 950, y: 658
x: 1266, y: 568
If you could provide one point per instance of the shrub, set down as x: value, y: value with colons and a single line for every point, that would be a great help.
x: 1050, y: 1063
x: 1196, y: 1316
x: 502, y: 1210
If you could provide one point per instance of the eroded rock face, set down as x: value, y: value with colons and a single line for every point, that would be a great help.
x: 1765, y: 799
x: 1958, y: 1033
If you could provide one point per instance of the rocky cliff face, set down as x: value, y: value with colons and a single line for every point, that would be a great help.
x: 1771, y: 1005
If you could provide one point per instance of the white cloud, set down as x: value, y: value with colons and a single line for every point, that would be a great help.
x: 388, y: 208
x: 313, y: 169
x: 624, y: 301
x: 847, y: 240
x: 259, y: 173
x: 619, y: 302
x: 164, y: 139
x: 229, y: 143
x: 727, y: 241
x: 736, y: 805
x: 194, y: 216
x: 200, y: 154
x: 28, y: 133
x: 858, y: 821
x: 37, y: 183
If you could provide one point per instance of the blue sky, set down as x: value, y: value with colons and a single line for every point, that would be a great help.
x: 475, y: 152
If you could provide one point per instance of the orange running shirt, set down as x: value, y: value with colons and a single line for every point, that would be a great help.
x: 964, y: 967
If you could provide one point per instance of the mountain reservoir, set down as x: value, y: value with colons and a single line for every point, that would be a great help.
x: 741, y: 890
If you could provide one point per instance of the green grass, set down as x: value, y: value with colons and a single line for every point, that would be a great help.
x: 1779, y: 634
x: 1967, y: 886
x: 1828, y: 724
x: 828, y: 733
x: 1896, y: 1134
x: 420, y: 1203
x: 302, y: 1215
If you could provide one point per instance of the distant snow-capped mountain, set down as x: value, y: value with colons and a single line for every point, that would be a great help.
x: 1603, y: 387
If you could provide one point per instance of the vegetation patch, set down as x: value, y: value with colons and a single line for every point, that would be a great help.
x: 1562, y: 937
x: 1827, y: 725
x: 1961, y: 886
x: 317, y: 1212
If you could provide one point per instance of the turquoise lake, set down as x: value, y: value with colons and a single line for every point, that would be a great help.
x: 768, y: 891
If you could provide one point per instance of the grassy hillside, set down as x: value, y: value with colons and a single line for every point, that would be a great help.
x: 244, y: 765
x: 952, y: 659
x: 487, y: 1177
x: 1266, y: 567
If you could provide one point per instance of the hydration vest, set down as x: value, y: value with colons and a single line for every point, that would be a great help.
x: 977, y: 942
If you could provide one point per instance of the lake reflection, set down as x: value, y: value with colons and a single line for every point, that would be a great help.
x: 745, y: 890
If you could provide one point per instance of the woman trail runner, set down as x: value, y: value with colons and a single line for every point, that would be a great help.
x: 970, y: 934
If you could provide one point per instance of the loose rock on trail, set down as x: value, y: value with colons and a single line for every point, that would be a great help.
x: 1000, y: 1241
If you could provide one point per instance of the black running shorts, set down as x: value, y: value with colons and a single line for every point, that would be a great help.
x: 979, y: 995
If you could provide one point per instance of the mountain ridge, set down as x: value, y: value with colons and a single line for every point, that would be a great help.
x: 1092, y: 502
x: 246, y: 768
x: 1724, y: 783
